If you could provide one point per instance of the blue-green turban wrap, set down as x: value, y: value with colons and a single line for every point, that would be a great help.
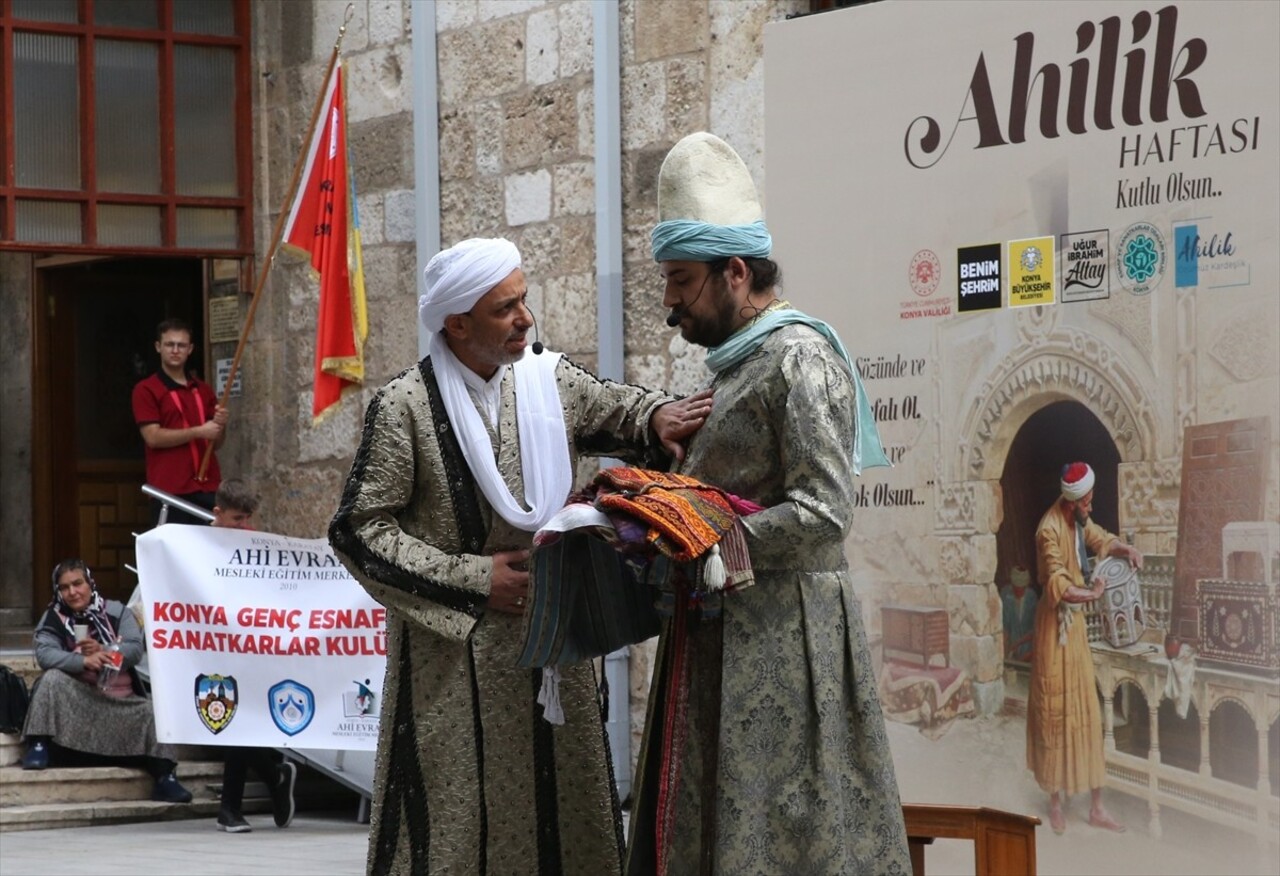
x: 694, y: 241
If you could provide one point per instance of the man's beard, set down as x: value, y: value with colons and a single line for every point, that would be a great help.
x: 504, y: 357
x: 715, y: 330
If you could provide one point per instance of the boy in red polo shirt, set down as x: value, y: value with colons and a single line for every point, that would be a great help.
x: 178, y: 416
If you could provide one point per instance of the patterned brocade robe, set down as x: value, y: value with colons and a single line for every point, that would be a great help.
x: 1064, y: 723
x: 470, y: 779
x: 785, y: 766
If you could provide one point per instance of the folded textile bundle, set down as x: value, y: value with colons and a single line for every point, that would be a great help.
x: 599, y: 569
x: 685, y: 516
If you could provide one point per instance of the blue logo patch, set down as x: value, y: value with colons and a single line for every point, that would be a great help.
x: 1187, y: 261
x: 292, y: 705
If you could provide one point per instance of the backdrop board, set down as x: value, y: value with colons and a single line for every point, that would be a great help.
x: 1050, y: 232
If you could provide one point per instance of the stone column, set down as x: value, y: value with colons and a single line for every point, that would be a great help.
x: 1153, y: 724
x: 1265, y: 835
x: 1205, y: 768
x: 969, y: 568
x: 15, y: 441
x: 1153, y: 768
x: 1108, y: 721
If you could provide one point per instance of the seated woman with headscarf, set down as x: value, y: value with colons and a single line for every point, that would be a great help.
x: 88, y: 706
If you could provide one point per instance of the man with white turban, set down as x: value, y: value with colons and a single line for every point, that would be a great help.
x: 463, y: 458
x: 1064, y: 725
x: 765, y: 749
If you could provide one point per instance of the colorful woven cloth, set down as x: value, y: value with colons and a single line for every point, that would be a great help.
x: 685, y: 516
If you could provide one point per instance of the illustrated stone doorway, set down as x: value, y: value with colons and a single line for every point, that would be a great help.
x: 1056, y: 434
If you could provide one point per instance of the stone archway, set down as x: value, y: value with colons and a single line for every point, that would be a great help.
x: 1066, y: 365
x: 1051, y: 366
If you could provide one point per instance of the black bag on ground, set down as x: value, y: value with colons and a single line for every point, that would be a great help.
x: 13, y: 701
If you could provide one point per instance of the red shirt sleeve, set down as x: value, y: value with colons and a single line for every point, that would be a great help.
x: 146, y: 407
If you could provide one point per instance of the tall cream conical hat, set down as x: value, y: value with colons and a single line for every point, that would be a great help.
x: 703, y: 179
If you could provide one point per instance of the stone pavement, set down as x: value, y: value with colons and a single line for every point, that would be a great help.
x: 981, y: 762
x: 319, y: 844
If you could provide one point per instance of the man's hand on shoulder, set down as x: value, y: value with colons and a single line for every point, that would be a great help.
x: 509, y: 582
x: 676, y: 421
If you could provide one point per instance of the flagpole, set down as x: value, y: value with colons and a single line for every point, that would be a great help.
x: 276, y: 233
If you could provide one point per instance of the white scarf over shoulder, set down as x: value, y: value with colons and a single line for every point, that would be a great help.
x: 456, y: 279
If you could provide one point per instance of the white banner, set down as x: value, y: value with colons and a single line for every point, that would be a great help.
x: 257, y: 639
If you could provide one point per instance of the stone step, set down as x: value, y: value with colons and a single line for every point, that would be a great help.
x: 19, y: 787
x: 44, y: 816
x: 40, y: 799
x: 22, y: 663
x: 82, y: 796
x: 15, y: 639
x: 75, y: 797
x: 11, y: 749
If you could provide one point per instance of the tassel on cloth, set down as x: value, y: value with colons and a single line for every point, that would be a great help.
x: 713, y: 573
x: 549, y: 696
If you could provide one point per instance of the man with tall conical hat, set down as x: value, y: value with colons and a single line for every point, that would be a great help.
x: 765, y: 749
x: 1064, y: 725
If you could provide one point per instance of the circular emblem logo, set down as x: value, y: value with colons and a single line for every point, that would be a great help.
x: 924, y: 273
x: 1141, y: 258
x: 1031, y: 259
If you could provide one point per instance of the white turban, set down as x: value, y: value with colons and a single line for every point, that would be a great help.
x: 461, y: 275
x: 1077, y: 481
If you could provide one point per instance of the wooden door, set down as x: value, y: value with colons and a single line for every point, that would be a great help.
x: 1224, y: 478
x: 95, y: 337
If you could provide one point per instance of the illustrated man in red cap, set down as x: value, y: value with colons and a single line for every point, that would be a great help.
x: 1064, y: 727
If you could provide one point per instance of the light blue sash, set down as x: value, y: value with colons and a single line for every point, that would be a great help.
x: 867, y: 451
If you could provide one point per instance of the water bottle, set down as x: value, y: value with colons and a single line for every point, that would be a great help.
x: 115, y: 659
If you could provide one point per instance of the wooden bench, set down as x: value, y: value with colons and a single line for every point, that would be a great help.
x: 1004, y: 843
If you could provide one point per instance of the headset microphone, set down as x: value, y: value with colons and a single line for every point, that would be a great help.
x: 536, y: 346
x: 673, y: 318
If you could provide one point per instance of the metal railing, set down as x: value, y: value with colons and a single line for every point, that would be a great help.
x: 168, y: 501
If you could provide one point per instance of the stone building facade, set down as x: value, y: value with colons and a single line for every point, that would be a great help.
x: 516, y: 146
x: 516, y: 157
